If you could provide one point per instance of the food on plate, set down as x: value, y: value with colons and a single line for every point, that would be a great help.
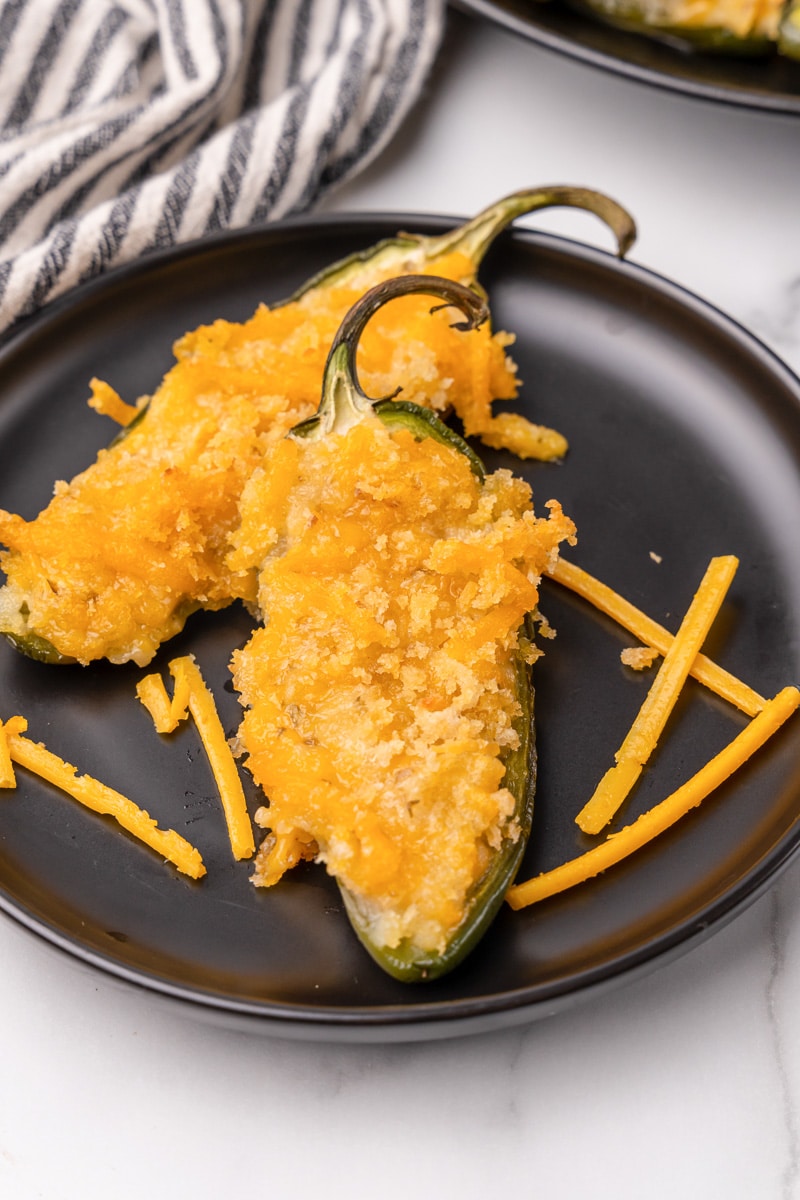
x: 90, y: 792
x: 191, y: 695
x: 134, y: 544
x: 388, y: 706
x: 741, y: 27
x: 654, y: 636
x: 662, y: 816
x: 642, y: 738
x: 681, y: 658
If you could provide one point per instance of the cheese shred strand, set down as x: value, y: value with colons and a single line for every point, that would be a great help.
x: 648, y: 726
x: 662, y: 816
x: 650, y: 633
x: 7, y: 777
x: 167, y: 713
x: 101, y: 799
x: 191, y: 695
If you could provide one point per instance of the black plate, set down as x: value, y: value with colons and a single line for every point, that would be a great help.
x: 769, y: 84
x: 685, y: 437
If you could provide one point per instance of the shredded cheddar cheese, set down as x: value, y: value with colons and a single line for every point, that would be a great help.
x: 98, y: 797
x: 607, y: 601
x: 191, y: 695
x: 511, y: 431
x: 662, y: 816
x: 13, y: 725
x: 108, y: 402
x: 643, y: 735
x: 167, y: 712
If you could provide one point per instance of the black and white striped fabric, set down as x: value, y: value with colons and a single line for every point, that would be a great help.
x: 129, y: 126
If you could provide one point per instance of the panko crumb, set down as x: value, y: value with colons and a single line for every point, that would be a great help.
x: 512, y: 431
x: 638, y: 658
x: 545, y: 629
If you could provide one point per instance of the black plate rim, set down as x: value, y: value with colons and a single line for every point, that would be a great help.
x: 419, y: 1020
x: 778, y: 103
x: 422, y: 1021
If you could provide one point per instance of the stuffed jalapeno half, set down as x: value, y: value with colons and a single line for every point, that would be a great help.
x: 388, y: 705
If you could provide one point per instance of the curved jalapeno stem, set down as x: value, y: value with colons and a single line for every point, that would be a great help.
x: 344, y: 402
x: 343, y: 405
x: 476, y: 236
x: 410, y: 252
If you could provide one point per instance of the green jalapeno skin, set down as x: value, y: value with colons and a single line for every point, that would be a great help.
x: 32, y: 645
x: 343, y: 405
x: 633, y: 17
x: 423, y: 423
x: 789, y: 30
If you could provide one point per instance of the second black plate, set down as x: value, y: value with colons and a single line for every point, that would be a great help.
x: 685, y: 443
x: 768, y: 84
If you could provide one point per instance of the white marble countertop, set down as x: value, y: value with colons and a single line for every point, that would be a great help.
x: 685, y: 1083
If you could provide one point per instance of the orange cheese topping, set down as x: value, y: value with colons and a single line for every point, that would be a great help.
x: 381, y: 692
x: 131, y: 546
x: 122, y: 554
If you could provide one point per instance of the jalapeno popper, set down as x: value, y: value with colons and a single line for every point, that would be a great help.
x: 134, y: 544
x: 740, y: 27
x: 389, y: 708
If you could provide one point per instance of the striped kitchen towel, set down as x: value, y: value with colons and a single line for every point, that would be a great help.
x: 129, y: 126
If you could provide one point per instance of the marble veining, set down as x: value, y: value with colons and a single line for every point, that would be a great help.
x: 776, y: 319
x: 773, y: 995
